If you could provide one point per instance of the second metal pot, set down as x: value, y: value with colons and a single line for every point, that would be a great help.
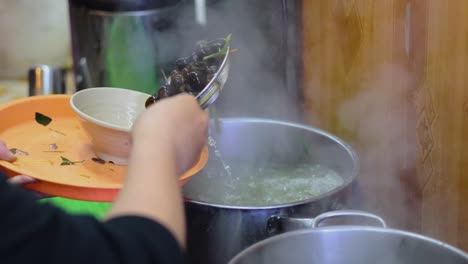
x: 350, y: 245
x: 217, y: 232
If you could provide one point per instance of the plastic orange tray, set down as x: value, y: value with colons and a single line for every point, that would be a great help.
x: 90, y: 180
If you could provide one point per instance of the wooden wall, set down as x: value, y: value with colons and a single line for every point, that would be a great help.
x: 391, y: 77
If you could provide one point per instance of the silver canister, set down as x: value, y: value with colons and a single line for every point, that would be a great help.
x: 46, y: 79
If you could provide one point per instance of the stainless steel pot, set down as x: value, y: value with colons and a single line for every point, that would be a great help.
x: 121, y: 43
x: 217, y: 232
x: 350, y: 245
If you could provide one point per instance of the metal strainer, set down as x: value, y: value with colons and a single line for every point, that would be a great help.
x: 210, y: 93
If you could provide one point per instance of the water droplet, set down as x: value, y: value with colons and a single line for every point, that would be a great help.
x: 211, y: 142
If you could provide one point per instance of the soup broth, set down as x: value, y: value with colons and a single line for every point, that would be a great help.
x: 249, y: 185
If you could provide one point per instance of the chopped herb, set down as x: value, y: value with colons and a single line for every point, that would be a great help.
x: 42, y: 119
x: 19, y: 152
x: 86, y: 176
x: 55, y: 151
x: 53, y: 146
x: 99, y: 160
x: 56, y: 131
x: 305, y: 148
x: 66, y: 161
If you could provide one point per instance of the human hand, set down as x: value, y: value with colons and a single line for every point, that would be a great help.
x: 5, y: 154
x: 180, y: 122
x: 18, y: 180
x: 167, y: 139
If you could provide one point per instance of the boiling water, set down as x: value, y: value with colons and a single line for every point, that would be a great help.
x: 248, y: 185
x: 212, y: 141
x: 219, y: 158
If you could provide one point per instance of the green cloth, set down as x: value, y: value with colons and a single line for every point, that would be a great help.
x: 96, y: 209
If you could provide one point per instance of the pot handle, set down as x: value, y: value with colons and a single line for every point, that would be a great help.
x: 282, y: 223
x: 340, y: 213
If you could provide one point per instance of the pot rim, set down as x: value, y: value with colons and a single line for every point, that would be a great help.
x: 339, y: 141
x: 347, y: 228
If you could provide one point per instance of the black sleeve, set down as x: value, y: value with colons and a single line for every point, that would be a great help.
x: 32, y: 232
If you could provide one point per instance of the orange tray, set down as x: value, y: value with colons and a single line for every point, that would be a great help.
x: 90, y: 180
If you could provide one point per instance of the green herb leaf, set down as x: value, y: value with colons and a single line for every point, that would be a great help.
x: 42, y: 119
x: 222, y: 52
x: 226, y: 44
x: 66, y: 161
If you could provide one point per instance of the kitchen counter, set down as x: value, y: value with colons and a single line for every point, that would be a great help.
x: 16, y: 89
x: 12, y: 89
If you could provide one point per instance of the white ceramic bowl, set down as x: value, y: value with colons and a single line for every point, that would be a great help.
x: 107, y: 115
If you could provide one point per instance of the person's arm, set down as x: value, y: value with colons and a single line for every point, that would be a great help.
x: 155, y: 150
x: 142, y: 227
x: 41, y: 233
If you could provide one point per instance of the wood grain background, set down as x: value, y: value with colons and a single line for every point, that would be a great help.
x: 390, y: 77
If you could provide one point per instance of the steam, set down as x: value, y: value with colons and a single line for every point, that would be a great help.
x: 256, y: 85
x: 381, y: 117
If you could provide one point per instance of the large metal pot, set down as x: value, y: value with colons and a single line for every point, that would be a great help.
x: 217, y: 232
x: 350, y: 245
x: 123, y: 43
